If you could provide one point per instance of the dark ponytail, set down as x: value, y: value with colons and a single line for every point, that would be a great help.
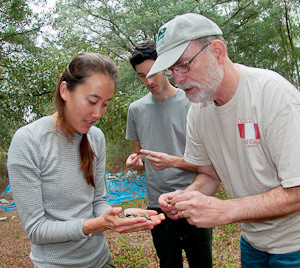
x: 81, y: 67
x: 87, y: 155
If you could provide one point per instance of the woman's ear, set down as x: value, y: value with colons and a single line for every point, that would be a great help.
x: 63, y: 90
x: 219, y: 50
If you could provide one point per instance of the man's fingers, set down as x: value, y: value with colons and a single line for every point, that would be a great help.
x: 181, y: 197
x: 149, y: 153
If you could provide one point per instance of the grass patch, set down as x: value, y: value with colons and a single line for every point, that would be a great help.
x: 226, y: 240
x: 116, y: 155
x: 132, y: 250
x: 137, y: 249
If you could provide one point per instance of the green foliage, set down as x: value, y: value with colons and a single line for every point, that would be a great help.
x: 261, y: 34
x: 19, y: 30
x: 27, y: 93
x: 116, y: 155
x: 264, y: 34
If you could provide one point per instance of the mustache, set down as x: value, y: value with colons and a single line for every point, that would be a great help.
x: 189, y: 85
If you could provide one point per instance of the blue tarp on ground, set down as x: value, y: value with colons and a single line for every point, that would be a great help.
x: 6, y: 205
x: 125, y: 189
x: 7, y: 189
x: 119, y: 189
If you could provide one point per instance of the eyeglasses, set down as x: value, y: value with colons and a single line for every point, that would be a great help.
x: 183, y: 67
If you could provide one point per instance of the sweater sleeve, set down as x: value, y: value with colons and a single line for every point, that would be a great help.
x: 100, y: 204
x: 25, y: 178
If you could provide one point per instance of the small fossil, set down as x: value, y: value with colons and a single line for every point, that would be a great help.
x: 134, y: 215
x: 169, y: 201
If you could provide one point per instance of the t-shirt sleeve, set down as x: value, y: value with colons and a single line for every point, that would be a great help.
x: 283, y: 139
x: 131, y: 131
x: 195, y: 152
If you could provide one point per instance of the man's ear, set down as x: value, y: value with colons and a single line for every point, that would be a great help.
x: 63, y: 90
x: 219, y: 50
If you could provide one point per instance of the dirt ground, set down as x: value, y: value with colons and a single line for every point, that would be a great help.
x: 15, y: 246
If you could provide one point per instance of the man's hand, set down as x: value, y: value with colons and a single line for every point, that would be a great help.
x: 201, y: 210
x: 165, y: 202
x: 134, y: 161
x: 158, y: 160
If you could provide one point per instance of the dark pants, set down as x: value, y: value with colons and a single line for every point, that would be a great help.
x: 171, y: 237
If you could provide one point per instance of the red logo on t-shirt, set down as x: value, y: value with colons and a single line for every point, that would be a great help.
x: 249, y: 134
x: 249, y: 131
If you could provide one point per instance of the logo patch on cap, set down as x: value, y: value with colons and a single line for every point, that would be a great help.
x: 160, y: 38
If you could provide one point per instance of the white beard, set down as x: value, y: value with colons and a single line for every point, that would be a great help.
x: 211, y: 78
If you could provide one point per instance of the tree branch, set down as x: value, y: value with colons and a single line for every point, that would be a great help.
x: 109, y: 21
x: 21, y: 33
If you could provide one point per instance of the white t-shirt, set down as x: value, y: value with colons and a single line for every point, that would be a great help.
x: 253, y: 142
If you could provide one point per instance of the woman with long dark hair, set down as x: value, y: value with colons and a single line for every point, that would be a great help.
x: 56, y: 168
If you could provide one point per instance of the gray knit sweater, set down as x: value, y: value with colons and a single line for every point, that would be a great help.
x: 53, y: 198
